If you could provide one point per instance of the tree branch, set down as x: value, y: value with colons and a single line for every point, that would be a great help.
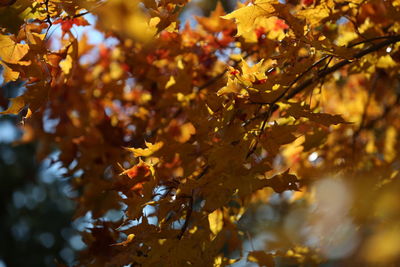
x: 394, y: 39
x: 320, y: 75
x: 187, y: 218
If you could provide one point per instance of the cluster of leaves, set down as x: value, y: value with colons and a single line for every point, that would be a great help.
x: 184, y: 127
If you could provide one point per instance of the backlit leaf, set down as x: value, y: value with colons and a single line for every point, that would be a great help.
x: 145, y: 152
x: 247, y: 16
x: 10, y: 51
x: 216, y: 222
x: 16, y: 105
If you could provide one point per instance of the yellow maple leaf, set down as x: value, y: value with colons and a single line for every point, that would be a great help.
x: 317, y: 14
x: 246, y: 16
x: 145, y: 152
x: 8, y: 73
x: 16, y: 105
x: 254, y: 72
x: 215, y: 219
x: 66, y: 64
x: 231, y: 87
x: 10, y: 51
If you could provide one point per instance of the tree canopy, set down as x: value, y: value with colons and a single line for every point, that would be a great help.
x: 185, y: 127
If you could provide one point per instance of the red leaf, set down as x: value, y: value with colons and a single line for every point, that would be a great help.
x: 66, y: 24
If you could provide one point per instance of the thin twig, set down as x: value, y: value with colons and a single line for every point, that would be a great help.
x: 272, y: 106
x: 254, y: 146
x: 320, y: 75
x: 342, y: 63
x: 48, y: 18
x: 370, y: 40
x: 299, y: 77
x: 250, y: 240
x: 187, y: 218
x: 203, y: 172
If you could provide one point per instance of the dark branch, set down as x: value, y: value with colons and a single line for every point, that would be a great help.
x: 320, y: 75
x: 187, y: 218
x: 394, y: 39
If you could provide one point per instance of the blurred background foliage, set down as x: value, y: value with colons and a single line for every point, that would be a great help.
x: 36, y: 209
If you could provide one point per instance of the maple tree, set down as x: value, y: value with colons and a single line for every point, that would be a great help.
x: 184, y: 128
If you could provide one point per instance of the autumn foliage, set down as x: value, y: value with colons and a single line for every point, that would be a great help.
x: 187, y: 128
